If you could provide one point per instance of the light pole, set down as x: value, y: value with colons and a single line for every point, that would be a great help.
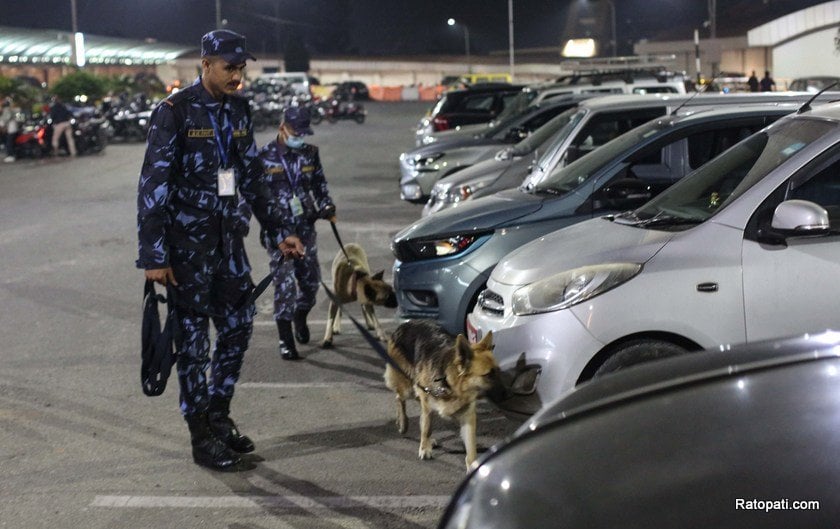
x: 510, y: 36
x: 452, y: 22
x: 612, y: 22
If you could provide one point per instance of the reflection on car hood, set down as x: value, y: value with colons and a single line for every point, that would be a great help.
x: 683, y: 370
x: 446, y: 146
x: 484, y: 168
x: 591, y: 242
x: 478, y: 215
x: 460, y: 132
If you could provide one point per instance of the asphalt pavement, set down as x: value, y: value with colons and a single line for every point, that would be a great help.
x: 82, y: 447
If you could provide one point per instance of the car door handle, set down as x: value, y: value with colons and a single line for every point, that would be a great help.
x: 707, y: 287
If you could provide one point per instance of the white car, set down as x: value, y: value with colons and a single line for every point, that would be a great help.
x: 745, y: 248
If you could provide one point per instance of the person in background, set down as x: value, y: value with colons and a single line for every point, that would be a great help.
x: 200, y: 159
x: 767, y: 83
x: 293, y: 172
x: 9, y: 123
x: 61, y: 118
x: 752, y: 82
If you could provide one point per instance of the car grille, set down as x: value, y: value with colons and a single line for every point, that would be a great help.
x: 491, y: 303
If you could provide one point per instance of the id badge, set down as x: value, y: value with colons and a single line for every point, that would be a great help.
x: 297, y: 207
x: 226, y: 183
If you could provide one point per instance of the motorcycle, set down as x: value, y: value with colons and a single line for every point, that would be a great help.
x: 128, y: 126
x: 341, y: 109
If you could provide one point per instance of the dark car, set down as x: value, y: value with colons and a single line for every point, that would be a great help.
x: 735, y: 437
x: 478, y: 104
x: 351, y: 91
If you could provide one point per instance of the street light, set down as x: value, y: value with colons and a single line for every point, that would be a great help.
x: 452, y: 22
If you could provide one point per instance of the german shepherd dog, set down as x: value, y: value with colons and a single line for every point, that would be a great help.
x: 447, y: 375
x: 352, y: 281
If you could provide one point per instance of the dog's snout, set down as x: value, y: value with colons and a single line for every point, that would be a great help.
x: 391, y: 301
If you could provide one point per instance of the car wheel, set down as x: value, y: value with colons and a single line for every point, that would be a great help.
x: 638, y: 352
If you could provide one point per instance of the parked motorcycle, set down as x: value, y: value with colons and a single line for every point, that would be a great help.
x: 341, y: 109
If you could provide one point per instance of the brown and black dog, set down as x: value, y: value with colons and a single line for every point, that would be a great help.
x: 352, y: 281
x: 448, y: 375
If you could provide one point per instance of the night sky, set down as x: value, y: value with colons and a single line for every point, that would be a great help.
x: 394, y: 27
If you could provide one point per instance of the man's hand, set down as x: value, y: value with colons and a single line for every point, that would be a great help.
x: 292, y: 247
x: 161, y: 275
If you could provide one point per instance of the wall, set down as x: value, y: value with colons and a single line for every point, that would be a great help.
x: 808, y: 55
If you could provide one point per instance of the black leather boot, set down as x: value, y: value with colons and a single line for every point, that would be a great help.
x: 288, y: 351
x: 207, y: 449
x: 301, y: 329
x: 224, y: 428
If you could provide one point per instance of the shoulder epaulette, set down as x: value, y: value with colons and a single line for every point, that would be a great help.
x: 177, y: 98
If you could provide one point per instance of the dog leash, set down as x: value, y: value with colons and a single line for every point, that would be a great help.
x: 338, y: 239
x: 374, y: 343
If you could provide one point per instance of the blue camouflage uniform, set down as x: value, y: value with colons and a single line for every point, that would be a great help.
x: 288, y: 173
x: 185, y: 224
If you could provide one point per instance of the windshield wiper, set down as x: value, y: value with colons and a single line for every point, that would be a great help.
x: 628, y: 217
x: 547, y: 191
x: 665, y: 219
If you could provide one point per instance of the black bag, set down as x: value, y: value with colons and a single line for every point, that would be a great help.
x: 158, y: 354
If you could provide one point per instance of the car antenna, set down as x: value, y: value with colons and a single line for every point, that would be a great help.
x: 706, y: 87
x: 807, y: 106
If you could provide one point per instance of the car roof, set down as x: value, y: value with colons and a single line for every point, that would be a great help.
x: 631, y: 101
x: 673, y: 374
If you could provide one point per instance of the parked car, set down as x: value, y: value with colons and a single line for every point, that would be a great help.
x: 478, y: 104
x: 443, y: 260
x: 813, y: 84
x: 725, y: 438
x: 491, y: 176
x: 745, y: 248
x: 420, y: 168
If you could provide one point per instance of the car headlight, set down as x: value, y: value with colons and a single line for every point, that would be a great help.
x: 421, y: 161
x: 467, y: 189
x: 443, y: 246
x: 571, y: 287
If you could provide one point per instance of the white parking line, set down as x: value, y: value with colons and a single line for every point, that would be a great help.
x: 345, y: 323
x: 257, y: 502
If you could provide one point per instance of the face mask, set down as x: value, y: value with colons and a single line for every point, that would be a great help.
x: 294, y: 142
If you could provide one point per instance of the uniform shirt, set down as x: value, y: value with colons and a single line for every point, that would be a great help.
x: 177, y: 201
x: 296, y: 172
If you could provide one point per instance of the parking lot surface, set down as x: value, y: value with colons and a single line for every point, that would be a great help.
x: 81, y: 446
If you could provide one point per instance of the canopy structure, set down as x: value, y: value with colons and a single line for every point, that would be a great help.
x: 53, y: 47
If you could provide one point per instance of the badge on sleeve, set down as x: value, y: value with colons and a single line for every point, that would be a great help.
x: 226, y: 184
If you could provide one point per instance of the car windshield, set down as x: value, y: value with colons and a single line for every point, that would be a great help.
x: 542, y: 134
x: 516, y: 106
x: 575, y: 115
x: 710, y: 188
x: 566, y: 178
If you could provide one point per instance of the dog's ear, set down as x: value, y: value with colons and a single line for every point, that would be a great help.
x: 378, y: 275
x: 487, y: 341
x: 464, y: 352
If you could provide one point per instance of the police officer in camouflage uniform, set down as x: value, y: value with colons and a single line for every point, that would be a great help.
x: 294, y: 173
x: 200, y: 155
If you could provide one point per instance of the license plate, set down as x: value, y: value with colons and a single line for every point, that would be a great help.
x: 473, y: 334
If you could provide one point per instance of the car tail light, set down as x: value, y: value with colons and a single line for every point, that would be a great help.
x: 440, y: 123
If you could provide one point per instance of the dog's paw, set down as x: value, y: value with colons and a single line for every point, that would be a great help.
x: 402, y: 425
x: 326, y: 344
x: 425, y: 453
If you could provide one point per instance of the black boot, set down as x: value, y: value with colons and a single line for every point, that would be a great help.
x: 301, y: 329
x: 208, y: 451
x: 224, y: 428
x: 288, y: 351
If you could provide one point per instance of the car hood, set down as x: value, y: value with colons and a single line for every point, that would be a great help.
x: 478, y: 215
x: 484, y: 168
x: 460, y: 132
x: 447, y: 146
x: 591, y: 242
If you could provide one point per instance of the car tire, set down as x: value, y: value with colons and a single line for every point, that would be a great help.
x: 638, y: 352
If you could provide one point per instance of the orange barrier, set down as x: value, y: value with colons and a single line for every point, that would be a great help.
x: 430, y: 93
x: 395, y: 93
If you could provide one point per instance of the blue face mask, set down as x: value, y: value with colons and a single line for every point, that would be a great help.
x: 294, y: 142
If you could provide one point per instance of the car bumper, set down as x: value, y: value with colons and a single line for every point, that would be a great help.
x: 543, y: 354
x: 416, y: 185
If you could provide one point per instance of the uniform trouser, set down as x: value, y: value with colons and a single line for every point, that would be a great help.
x: 296, y: 281
x: 210, y: 283
x: 66, y: 128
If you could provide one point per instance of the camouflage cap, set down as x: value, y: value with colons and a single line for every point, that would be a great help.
x: 226, y: 44
x: 298, y: 118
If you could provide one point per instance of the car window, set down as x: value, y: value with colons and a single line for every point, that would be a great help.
x: 543, y: 134
x: 654, y: 90
x: 710, y: 188
x: 823, y: 188
x: 608, y: 125
x: 705, y: 145
x: 482, y: 102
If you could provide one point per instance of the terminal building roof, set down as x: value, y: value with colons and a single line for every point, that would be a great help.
x: 53, y: 47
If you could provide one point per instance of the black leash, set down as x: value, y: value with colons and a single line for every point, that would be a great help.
x: 340, y: 244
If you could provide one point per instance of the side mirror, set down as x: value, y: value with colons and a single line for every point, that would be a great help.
x: 623, y: 194
x: 800, y: 218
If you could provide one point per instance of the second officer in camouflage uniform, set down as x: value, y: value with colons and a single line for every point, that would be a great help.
x: 200, y: 156
x: 294, y: 173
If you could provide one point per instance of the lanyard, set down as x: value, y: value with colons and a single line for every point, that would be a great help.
x: 224, y: 137
x: 292, y: 181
